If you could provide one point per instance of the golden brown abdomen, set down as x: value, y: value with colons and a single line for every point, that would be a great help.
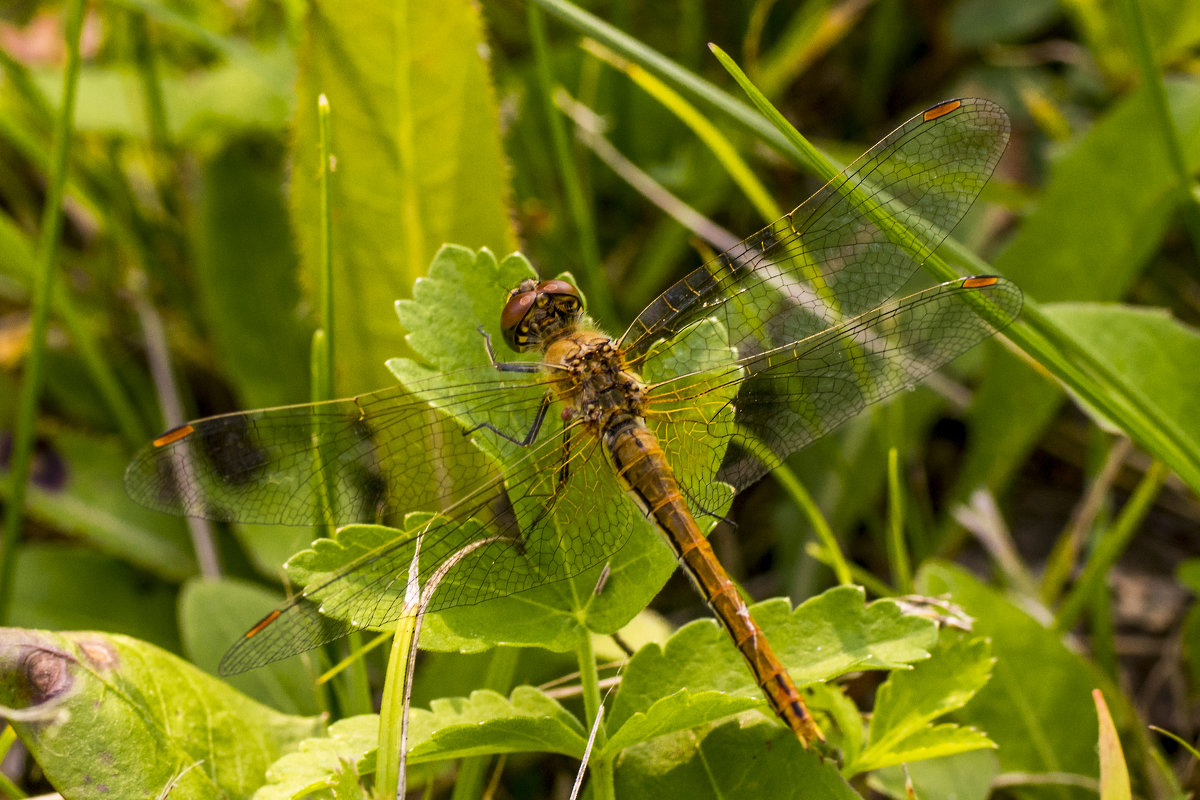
x: 646, y: 475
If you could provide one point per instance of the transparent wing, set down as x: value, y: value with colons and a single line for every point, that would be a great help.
x: 401, y: 456
x: 381, y: 454
x: 521, y: 532
x: 791, y: 395
x: 830, y: 260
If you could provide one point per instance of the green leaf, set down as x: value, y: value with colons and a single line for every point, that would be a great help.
x: 738, y: 759
x: 484, y: 723
x: 1145, y: 346
x: 966, y: 776
x: 464, y: 290
x: 487, y: 722
x: 415, y: 133
x: 1022, y: 715
x: 699, y: 676
x: 910, y: 700
x: 347, y: 749
x: 57, y: 584
x: 246, y: 276
x: 121, y: 718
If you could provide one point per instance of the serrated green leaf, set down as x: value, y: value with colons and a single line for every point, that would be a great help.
x: 124, y: 719
x: 830, y: 635
x: 910, y: 700
x: 466, y: 289
x: 484, y: 723
x: 684, y: 710
x: 737, y: 759
x: 343, y: 751
x: 488, y: 722
x: 415, y: 133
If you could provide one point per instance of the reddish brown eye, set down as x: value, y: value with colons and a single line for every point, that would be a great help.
x: 513, y: 315
x: 558, y: 288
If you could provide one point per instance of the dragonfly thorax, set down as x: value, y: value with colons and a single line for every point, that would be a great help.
x: 538, y: 313
x: 593, y: 382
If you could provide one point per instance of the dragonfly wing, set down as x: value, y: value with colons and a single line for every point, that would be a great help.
x: 381, y: 454
x: 836, y: 256
x: 511, y: 537
x: 522, y: 533
x: 789, y: 396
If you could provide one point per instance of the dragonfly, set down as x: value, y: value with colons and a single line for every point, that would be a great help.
x: 748, y: 358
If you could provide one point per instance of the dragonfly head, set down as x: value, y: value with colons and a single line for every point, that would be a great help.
x: 536, y: 311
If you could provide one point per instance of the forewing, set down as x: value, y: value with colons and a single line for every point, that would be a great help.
x: 837, y: 255
x: 371, y: 458
x: 791, y: 395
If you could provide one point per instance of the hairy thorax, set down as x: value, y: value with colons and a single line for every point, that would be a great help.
x: 592, y: 382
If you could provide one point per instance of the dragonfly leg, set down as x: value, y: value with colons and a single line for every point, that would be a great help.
x: 533, y: 429
x: 506, y: 366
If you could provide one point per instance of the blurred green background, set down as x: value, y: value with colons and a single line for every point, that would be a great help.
x: 191, y: 239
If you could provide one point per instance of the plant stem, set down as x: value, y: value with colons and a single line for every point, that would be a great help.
x: 600, y: 767
x: 23, y: 436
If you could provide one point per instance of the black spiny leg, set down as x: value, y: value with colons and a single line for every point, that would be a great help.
x: 513, y: 366
x: 506, y: 366
x: 533, y: 429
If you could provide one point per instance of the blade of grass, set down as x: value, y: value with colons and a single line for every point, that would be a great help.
x: 1131, y: 13
x: 1109, y: 547
x: 1034, y: 334
x: 597, y: 289
x: 897, y: 551
x: 48, y: 249
x: 709, y: 134
x: 352, y: 688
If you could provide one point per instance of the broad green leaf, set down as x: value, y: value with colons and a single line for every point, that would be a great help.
x: 57, y: 586
x: 213, y: 614
x: 76, y: 488
x: 827, y: 636
x: 910, y: 700
x: 246, y: 277
x: 121, y: 718
x: 1147, y: 347
x: 415, y: 133
x: 966, y: 776
x: 1080, y: 251
x: 344, y: 749
x: 738, y: 759
x: 1037, y: 707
